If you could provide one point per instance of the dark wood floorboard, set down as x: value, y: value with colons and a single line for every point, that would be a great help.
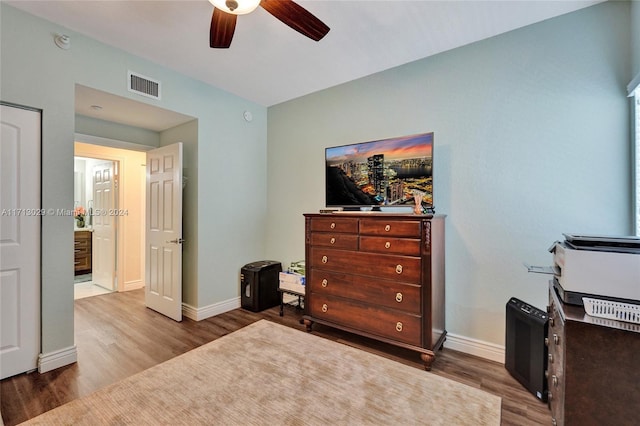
x: 117, y: 336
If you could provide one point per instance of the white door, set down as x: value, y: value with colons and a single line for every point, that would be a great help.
x: 103, y: 250
x: 19, y: 240
x: 163, y: 239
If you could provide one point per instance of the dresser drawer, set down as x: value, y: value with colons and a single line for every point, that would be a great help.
x: 336, y: 240
x: 390, y: 294
x: 401, y: 268
x: 82, y: 250
x: 387, y: 323
x: 390, y: 245
x: 335, y: 224
x: 392, y: 228
x: 82, y: 235
x: 82, y: 263
x: 81, y: 239
x: 80, y: 244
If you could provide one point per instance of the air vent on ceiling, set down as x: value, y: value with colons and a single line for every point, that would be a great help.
x: 143, y: 85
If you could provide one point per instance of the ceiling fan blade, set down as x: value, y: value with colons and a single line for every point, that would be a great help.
x: 222, y: 27
x: 297, y: 17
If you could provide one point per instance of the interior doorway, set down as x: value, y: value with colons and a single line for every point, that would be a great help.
x: 113, y: 199
x: 107, y: 121
x: 95, y: 192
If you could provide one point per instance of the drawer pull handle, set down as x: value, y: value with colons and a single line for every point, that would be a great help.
x: 552, y: 322
x: 387, y: 245
x: 556, y: 339
x: 333, y: 240
x: 324, y: 307
x: 398, y: 297
x: 398, y: 326
x: 546, y: 341
x: 333, y: 225
x: 387, y: 228
x: 551, y: 358
x: 398, y: 269
x: 324, y: 282
x: 554, y: 380
x: 324, y: 259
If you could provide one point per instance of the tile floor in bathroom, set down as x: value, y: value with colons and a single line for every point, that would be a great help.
x: 84, y: 287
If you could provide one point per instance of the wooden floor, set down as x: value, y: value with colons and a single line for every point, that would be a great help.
x: 117, y: 337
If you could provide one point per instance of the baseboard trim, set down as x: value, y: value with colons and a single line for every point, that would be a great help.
x: 486, y: 350
x: 133, y: 285
x: 198, y: 314
x: 56, y: 359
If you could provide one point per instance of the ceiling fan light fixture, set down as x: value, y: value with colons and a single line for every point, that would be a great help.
x: 236, y: 7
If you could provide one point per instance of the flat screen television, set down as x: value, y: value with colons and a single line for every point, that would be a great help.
x: 380, y: 173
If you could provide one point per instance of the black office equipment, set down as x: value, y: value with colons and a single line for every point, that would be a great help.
x: 526, y: 351
x: 259, y: 285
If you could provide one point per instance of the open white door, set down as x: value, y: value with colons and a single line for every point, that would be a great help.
x: 163, y: 239
x: 103, y: 250
x: 19, y: 240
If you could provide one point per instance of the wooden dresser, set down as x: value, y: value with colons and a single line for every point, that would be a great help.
x: 593, y: 370
x: 82, y: 252
x: 378, y: 275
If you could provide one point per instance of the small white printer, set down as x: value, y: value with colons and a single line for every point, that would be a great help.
x: 597, y: 266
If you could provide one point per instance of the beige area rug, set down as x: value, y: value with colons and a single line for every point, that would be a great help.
x: 269, y: 374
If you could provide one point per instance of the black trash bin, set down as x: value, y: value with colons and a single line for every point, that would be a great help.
x: 259, y: 285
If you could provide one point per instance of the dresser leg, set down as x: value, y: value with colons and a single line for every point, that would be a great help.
x: 308, y: 324
x: 427, y: 359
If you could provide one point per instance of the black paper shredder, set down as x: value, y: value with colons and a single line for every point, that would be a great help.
x: 259, y: 285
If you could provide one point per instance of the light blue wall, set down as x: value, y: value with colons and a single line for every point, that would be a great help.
x: 110, y: 130
x: 531, y: 140
x: 188, y: 134
x: 231, y: 155
x: 635, y: 39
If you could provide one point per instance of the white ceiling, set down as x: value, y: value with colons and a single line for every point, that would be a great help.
x: 270, y: 63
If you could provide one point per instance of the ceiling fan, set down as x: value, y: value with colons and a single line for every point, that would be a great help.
x: 225, y: 12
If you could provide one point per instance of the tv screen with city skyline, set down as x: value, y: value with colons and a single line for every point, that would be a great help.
x: 380, y: 173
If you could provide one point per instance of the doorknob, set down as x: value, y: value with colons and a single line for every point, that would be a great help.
x: 176, y: 241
